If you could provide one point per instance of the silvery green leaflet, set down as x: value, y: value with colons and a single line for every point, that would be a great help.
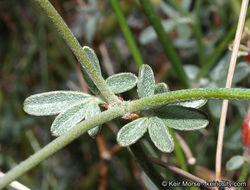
x: 72, y: 107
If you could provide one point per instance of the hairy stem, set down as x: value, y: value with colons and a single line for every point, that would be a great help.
x: 117, y: 111
x: 77, y: 49
x: 57, y: 144
x: 199, y: 93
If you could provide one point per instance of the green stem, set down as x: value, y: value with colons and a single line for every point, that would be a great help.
x: 196, y: 24
x: 198, y: 93
x: 178, y: 7
x: 197, y: 31
x: 165, y: 41
x: 117, y: 111
x: 110, y: 24
x: 217, y: 53
x: 180, y: 156
x: 77, y: 49
x: 127, y: 33
x: 178, y: 151
x: 146, y: 165
x: 57, y: 144
x: 243, y: 174
x: 223, y: 45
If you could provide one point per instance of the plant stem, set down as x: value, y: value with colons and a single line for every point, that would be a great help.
x: 77, y: 50
x: 243, y: 174
x: 222, y: 46
x: 195, y: 25
x: 178, y: 152
x: 217, y: 53
x: 233, y: 60
x: 198, y: 93
x: 165, y: 41
x: 146, y: 165
x: 117, y: 111
x: 197, y: 31
x: 57, y: 144
x: 180, y: 172
x: 127, y: 33
x: 178, y: 7
x: 110, y: 24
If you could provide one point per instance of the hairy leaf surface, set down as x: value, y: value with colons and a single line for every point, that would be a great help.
x: 132, y: 132
x: 146, y: 82
x: 160, y: 135
x: 183, y: 118
x: 68, y: 119
x: 121, y: 82
x: 92, y: 110
x: 51, y: 103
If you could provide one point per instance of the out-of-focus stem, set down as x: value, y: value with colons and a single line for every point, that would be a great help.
x: 127, y: 33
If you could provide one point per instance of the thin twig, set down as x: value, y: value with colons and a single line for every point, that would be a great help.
x: 15, y: 184
x: 180, y: 172
x: 115, y: 112
x: 178, y: 151
x: 80, y: 78
x: 233, y: 60
x: 146, y: 165
x: 105, y: 156
x: 115, y: 149
x: 106, y: 59
x: 190, y: 159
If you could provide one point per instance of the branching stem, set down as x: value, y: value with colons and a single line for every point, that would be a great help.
x: 117, y: 111
x: 77, y: 50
